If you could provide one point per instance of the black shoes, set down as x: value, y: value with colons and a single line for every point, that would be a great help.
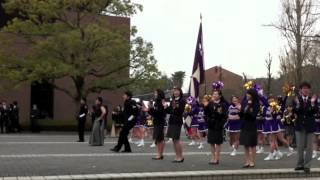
x: 307, y: 170
x: 248, y: 166
x: 126, y: 151
x: 299, y: 169
x: 114, y: 150
x: 214, y: 163
x: 178, y: 161
x: 158, y: 158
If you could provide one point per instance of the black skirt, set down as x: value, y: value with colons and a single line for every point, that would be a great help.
x: 248, y: 138
x: 174, y: 131
x: 158, y: 133
x: 215, y: 136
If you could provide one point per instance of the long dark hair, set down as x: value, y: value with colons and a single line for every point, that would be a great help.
x: 180, y: 90
x: 255, y: 99
x: 161, y: 94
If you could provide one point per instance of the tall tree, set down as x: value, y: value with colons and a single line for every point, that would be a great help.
x: 269, y: 74
x: 296, y: 24
x: 72, y: 39
x: 178, y: 78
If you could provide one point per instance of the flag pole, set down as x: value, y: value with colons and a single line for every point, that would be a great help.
x: 205, y: 81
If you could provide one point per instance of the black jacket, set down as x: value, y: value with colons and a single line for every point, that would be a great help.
x: 83, y: 112
x: 158, y: 113
x: 305, y: 115
x: 248, y: 115
x: 216, y: 119
x: 130, y: 108
x: 176, y: 110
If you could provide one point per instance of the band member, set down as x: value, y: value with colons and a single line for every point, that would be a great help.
x: 82, y: 117
x: 4, y: 118
x: 129, y: 114
x: 97, y: 134
x: 176, y: 110
x: 305, y: 107
x: 288, y: 121
x: 233, y: 124
x: 34, y: 117
x: 158, y: 113
x: 117, y: 119
x: 248, y: 132
x: 216, y: 112
x: 14, y: 116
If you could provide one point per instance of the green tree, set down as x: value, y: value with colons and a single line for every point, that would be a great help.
x: 71, y: 39
x: 178, y: 78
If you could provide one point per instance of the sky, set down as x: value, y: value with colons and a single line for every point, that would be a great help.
x: 233, y: 34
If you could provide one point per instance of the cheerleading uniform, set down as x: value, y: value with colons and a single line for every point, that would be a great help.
x: 233, y: 125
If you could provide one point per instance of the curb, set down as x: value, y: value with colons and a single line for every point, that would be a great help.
x: 189, y: 175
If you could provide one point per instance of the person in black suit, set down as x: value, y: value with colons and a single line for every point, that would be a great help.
x: 5, y: 115
x: 158, y: 114
x: 216, y: 113
x: 129, y: 114
x: 248, y: 132
x: 305, y: 108
x: 176, y: 110
x: 82, y: 117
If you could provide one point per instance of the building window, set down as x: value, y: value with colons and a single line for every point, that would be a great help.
x: 42, y: 96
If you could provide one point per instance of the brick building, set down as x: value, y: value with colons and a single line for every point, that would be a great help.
x: 233, y: 83
x: 58, y: 107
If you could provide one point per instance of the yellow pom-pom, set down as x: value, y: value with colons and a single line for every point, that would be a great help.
x: 187, y: 108
x: 248, y: 85
x: 288, y: 90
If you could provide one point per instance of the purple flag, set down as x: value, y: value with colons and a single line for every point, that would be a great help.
x: 197, y: 77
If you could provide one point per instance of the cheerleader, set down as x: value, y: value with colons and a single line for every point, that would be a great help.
x: 192, y: 110
x: 273, y: 127
x: 317, y: 131
x: 216, y: 112
x: 248, y: 132
x: 233, y: 124
x: 176, y: 110
x: 260, y: 121
x: 203, y: 127
x: 139, y: 128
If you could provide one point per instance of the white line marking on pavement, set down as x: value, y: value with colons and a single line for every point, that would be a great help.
x: 68, y: 142
x: 95, y: 155
x: 106, y: 155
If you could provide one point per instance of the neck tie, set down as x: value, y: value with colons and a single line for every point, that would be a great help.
x: 304, y: 102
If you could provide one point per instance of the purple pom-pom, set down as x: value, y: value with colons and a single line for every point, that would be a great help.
x: 190, y: 100
x: 217, y: 85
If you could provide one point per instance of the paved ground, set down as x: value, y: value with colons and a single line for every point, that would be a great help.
x: 51, y: 154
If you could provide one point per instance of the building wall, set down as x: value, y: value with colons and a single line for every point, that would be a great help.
x: 233, y: 83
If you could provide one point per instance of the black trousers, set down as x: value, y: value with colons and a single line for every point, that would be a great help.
x: 123, y: 137
x: 16, y: 124
x: 81, y: 128
x: 4, y: 125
